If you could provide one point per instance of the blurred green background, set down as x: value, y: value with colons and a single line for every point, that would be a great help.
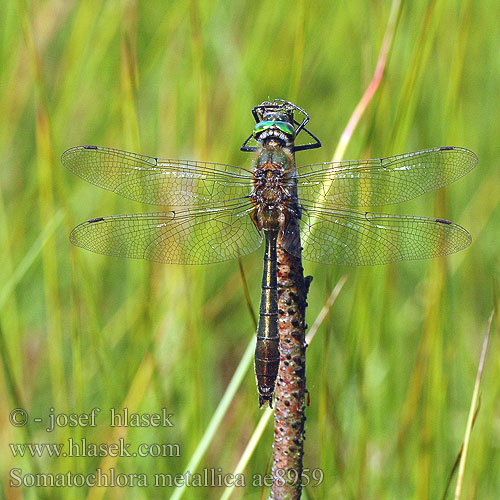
x: 391, y: 370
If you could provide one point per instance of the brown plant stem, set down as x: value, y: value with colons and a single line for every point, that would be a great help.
x: 290, y: 391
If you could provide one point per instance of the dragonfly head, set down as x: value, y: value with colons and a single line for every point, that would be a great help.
x: 275, y: 129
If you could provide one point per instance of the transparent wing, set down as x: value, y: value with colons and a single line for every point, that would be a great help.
x: 383, y: 181
x: 189, y: 236
x: 157, y: 181
x: 352, y: 238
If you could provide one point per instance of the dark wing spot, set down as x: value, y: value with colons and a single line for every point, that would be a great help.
x: 97, y: 219
x: 446, y: 148
x: 89, y: 147
x: 443, y: 221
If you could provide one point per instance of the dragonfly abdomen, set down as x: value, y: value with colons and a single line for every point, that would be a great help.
x: 267, y: 356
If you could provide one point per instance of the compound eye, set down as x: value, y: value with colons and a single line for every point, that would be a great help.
x: 286, y: 128
x: 261, y: 126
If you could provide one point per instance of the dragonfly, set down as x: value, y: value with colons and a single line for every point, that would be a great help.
x: 216, y: 212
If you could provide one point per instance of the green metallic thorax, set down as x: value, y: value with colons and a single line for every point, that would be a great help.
x: 285, y: 127
x: 275, y: 130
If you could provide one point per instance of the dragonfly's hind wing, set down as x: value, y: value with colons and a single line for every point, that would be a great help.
x: 353, y: 238
x: 383, y: 181
x: 190, y: 236
x: 155, y: 180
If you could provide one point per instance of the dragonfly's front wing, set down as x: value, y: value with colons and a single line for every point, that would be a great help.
x: 190, y: 236
x: 352, y: 238
x: 383, y: 181
x: 158, y: 181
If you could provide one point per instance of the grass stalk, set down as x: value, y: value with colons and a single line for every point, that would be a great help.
x: 472, y: 411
